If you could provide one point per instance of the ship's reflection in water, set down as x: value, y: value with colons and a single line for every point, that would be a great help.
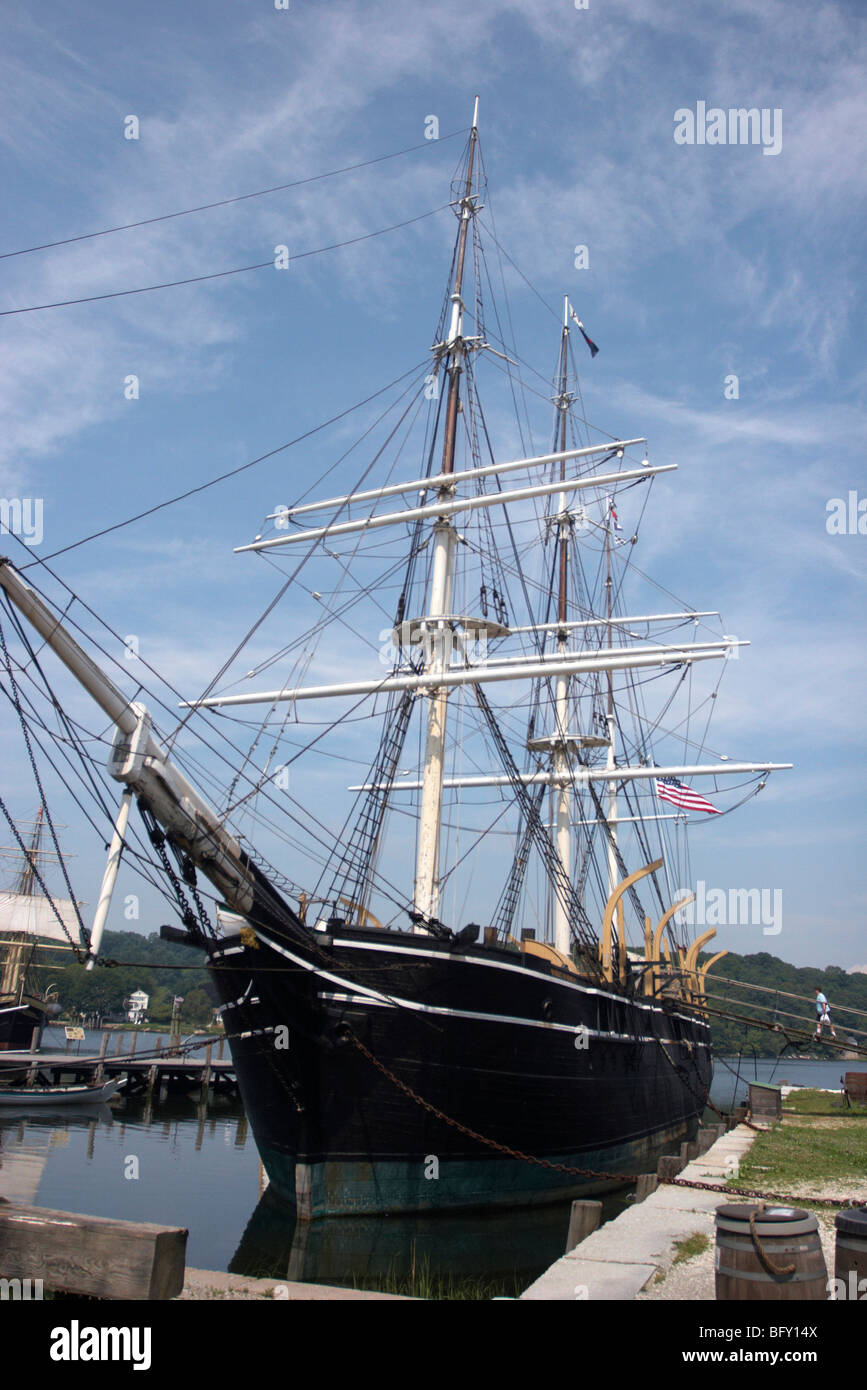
x: 461, y: 1253
x: 197, y: 1167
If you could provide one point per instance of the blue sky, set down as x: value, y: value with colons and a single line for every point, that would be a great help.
x: 704, y: 261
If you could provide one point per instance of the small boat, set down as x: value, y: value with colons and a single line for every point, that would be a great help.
x: 84, y: 1093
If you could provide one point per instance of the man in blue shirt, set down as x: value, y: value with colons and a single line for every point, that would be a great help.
x: 823, y: 1014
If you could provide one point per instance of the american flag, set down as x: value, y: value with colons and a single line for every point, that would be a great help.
x: 669, y: 789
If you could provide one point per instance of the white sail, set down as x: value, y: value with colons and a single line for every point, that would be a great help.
x: 34, y: 916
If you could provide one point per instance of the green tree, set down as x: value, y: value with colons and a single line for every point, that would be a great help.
x: 197, y: 1007
x: 160, y: 1006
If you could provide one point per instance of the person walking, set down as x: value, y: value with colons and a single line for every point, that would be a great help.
x: 823, y: 1014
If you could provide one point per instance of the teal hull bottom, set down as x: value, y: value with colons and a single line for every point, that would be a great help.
x: 392, y: 1186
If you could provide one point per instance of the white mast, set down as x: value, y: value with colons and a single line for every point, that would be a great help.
x: 563, y: 792
x: 426, y: 895
x: 613, y: 874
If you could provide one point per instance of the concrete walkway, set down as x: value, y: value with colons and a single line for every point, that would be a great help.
x: 211, y: 1284
x: 617, y: 1261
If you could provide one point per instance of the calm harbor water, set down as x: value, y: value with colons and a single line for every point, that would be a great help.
x: 732, y: 1075
x: 170, y: 1162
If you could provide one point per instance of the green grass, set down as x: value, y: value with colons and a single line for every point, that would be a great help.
x: 421, y: 1282
x: 690, y: 1246
x: 418, y: 1282
x: 822, y: 1103
x: 808, y: 1150
x: 685, y: 1249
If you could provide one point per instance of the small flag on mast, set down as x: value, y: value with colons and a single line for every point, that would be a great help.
x: 612, y: 513
x: 589, y: 341
x: 669, y: 789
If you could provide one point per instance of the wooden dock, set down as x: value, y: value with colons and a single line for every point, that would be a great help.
x: 157, y: 1068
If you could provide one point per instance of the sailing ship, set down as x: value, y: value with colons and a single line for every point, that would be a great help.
x: 425, y: 1012
x: 31, y: 922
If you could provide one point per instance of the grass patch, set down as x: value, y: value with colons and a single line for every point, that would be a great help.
x: 690, y: 1246
x: 823, y: 1103
x: 806, y: 1152
x: 422, y: 1282
x: 419, y: 1281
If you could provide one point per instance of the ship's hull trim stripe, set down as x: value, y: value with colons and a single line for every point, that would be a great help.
x: 574, y: 1028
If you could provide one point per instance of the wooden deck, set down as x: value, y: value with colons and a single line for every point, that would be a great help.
x: 146, y: 1073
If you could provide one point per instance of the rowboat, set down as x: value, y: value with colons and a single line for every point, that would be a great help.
x: 83, y: 1093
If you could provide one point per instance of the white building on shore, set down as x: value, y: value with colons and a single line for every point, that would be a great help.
x: 137, y: 1006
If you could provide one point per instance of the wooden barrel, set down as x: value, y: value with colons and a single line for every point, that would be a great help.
x: 850, y: 1256
x: 768, y: 1253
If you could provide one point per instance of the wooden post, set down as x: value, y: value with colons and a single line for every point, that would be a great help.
x: 34, y: 1040
x: 206, y: 1074
x: 152, y: 1077
x: 584, y: 1219
x: 158, y: 1046
x: 133, y: 1043
x: 99, y: 1074
x: 688, y: 1152
x: 669, y: 1166
x: 645, y: 1184
x: 221, y: 1045
x: 119, y: 1049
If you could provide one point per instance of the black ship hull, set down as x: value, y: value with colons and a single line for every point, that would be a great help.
x: 489, y: 1040
x: 17, y: 1022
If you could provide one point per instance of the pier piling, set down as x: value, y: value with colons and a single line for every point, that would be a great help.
x: 645, y: 1184
x: 99, y: 1074
x: 206, y: 1075
x: 583, y: 1221
x: 669, y: 1166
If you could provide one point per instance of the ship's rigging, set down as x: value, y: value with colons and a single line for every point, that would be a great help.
x: 563, y: 723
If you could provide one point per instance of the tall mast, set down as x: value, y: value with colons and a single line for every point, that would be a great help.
x: 562, y: 792
x: 613, y: 868
x: 430, y: 819
x: 26, y: 877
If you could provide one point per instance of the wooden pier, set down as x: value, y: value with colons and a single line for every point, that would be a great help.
x: 159, y: 1067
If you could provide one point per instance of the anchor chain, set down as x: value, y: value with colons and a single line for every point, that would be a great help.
x: 585, y: 1172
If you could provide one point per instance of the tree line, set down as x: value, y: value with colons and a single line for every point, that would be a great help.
x: 778, y: 978
x: 163, y: 969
